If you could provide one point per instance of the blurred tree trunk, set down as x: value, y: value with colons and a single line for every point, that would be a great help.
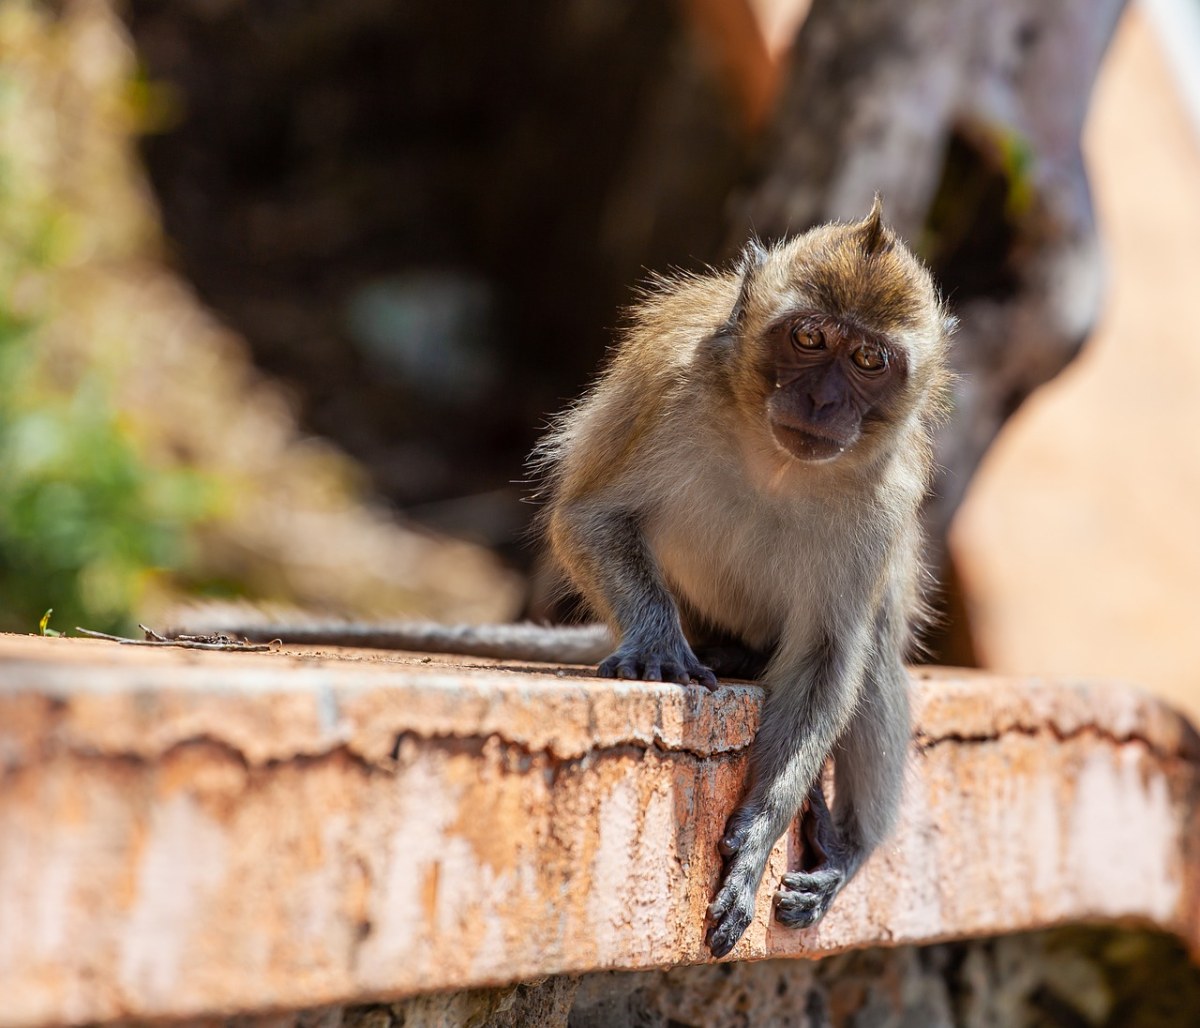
x: 967, y: 116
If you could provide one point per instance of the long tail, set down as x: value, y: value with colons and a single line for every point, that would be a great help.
x: 558, y: 644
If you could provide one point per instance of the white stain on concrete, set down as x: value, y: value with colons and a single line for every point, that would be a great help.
x: 652, y: 888
x: 414, y: 850
x: 39, y: 883
x: 182, y: 868
x: 57, y: 875
x: 1123, y: 831
x: 1042, y: 825
x: 611, y: 868
x: 631, y: 890
x: 914, y: 909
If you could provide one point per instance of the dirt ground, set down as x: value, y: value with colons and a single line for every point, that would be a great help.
x: 1079, y: 544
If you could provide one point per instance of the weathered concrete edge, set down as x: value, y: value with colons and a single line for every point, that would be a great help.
x: 338, y: 696
x: 587, y: 775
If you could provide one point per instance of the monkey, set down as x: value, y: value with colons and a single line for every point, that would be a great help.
x: 739, y: 494
x: 750, y: 468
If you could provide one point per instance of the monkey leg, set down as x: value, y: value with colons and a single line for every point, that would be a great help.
x: 732, y: 660
x: 805, y: 895
x: 869, y: 762
x: 801, y: 721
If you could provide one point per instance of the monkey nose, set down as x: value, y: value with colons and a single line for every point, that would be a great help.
x: 820, y: 401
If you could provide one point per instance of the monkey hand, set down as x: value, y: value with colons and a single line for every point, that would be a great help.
x: 661, y: 661
x: 731, y: 912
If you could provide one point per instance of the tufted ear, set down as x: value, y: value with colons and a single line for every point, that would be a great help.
x: 875, y: 237
x: 750, y: 260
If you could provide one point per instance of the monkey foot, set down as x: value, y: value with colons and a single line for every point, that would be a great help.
x: 658, y: 665
x: 805, y: 896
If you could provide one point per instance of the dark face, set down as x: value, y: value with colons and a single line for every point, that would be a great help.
x: 831, y: 380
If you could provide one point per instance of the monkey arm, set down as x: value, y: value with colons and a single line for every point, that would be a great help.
x: 811, y: 698
x: 607, y: 556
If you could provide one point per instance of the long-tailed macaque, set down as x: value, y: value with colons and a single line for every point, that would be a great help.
x: 749, y: 470
x: 739, y: 493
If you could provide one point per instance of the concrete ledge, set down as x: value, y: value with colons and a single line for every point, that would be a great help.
x: 187, y: 834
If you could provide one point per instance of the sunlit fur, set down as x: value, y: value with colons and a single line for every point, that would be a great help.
x: 816, y: 562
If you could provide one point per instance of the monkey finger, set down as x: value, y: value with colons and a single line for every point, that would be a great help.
x: 720, y: 904
x: 704, y: 676
x: 734, y: 889
x: 724, y: 900
x: 724, y: 933
x: 736, y: 830
x: 722, y: 938
x: 608, y: 667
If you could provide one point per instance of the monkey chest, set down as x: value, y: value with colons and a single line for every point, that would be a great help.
x: 740, y: 568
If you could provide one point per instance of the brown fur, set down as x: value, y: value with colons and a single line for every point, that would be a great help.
x: 673, y: 507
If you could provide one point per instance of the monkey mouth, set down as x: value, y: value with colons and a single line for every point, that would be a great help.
x: 806, y: 445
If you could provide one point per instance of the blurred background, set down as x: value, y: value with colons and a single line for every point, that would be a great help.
x: 288, y: 291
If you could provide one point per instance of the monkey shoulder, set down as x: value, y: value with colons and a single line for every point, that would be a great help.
x: 677, y: 312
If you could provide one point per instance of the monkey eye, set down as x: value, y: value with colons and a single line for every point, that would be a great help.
x: 870, y: 357
x: 807, y: 338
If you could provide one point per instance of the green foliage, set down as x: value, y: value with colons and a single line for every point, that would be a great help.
x: 83, y: 518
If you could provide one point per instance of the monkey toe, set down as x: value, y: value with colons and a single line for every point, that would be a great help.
x: 785, y: 899
x: 798, y: 916
x: 721, y: 938
x: 821, y: 880
x: 805, y: 896
x: 797, y: 909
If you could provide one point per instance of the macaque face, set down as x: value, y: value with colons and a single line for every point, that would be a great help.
x: 830, y: 380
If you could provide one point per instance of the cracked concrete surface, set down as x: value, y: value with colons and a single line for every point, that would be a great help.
x: 189, y: 834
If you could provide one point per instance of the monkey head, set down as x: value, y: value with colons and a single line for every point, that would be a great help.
x: 837, y: 335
